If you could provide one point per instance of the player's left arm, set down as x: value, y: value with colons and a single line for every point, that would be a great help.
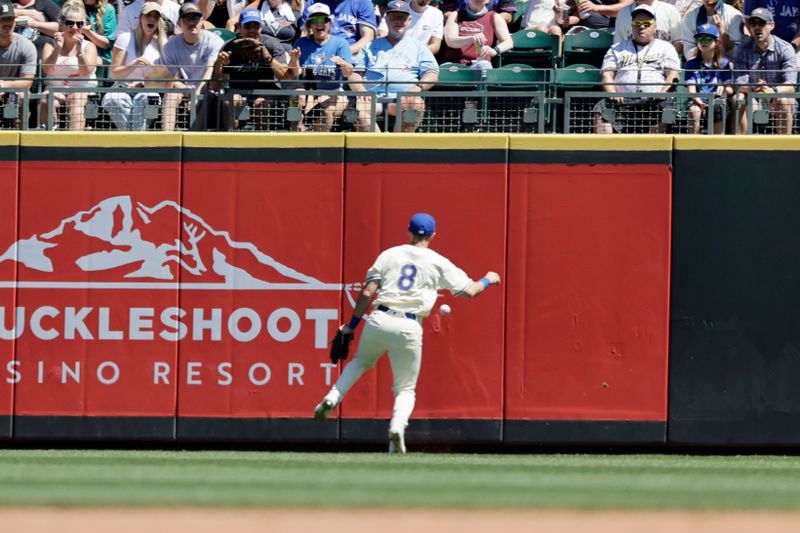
x: 477, y: 287
x: 364, y: 299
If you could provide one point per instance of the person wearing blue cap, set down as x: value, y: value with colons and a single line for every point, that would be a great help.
x: 253, y: 61
x: 726, y: 18
x: 709, y: 74
x: 408, y: 277
x: 281, y: 19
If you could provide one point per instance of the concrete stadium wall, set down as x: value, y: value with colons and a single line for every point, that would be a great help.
x: 185, y: 286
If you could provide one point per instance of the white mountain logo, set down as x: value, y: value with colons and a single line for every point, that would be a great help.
x: 119, y: 239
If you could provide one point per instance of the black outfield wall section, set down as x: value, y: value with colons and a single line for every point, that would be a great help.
x: 735, y: 308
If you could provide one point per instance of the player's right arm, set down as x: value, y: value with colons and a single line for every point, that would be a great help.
x: 477, y: 287
x: 364, y: 299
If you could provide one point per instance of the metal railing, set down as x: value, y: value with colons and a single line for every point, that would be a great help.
x: 428, y: 111
x: 116, y: 108
x: 14, y: 104
x: 772, y: 113
x: 546, y: 106
x: 657, y: 112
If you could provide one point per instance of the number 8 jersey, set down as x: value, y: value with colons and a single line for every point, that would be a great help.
x: 410, y: 276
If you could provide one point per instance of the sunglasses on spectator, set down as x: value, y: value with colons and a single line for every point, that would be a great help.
x: 194, y: 17
x: 320, y: 19
x: 704, y: 39
x: 757, y: 22
x: 251, y: 25
x: 642, y: 23
x: 71, y: 23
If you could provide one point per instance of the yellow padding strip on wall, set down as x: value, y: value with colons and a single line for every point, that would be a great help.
x: 740, y: 143
x: 93, y: 139
x: 263, y: 140
x: 594, y: 143
x: 427, y: 141
x: 410, y: 141
x: 9, y: 138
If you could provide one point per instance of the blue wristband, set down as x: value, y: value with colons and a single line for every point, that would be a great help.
x: 354, y: 322
x: 485, y: 282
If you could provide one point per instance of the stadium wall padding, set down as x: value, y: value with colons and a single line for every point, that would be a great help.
x: 460, y: 392
x: 81, y: 372
x: 587, y: 290
x: 186, y: 286
x: 735, y: 324
x: 9, y: 182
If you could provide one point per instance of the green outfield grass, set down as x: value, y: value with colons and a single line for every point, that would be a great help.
x: 232, y: 478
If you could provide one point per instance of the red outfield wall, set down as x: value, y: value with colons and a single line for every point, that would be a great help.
x: 9, y: 166
x: 185, y: 286
x: 588, y: 289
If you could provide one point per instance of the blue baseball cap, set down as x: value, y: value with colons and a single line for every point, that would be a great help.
x: 422, y: 224
x: 707, y: 29
x: 250, y: 14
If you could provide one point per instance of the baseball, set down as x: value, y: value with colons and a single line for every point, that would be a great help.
x: 444, y: 309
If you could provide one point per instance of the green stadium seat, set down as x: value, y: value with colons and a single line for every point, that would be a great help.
x: 586, y: 47
x: 577, y: 77
x: 534, y: 48
x: 515, y: 77
x: 458, y: 77
x: 507, y: 113
x: 453, y: 114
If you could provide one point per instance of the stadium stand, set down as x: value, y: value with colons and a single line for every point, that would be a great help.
x: 545, y: 83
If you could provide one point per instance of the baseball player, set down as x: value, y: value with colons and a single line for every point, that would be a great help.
x: 408, y: 277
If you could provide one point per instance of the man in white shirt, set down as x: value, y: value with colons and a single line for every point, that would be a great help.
x: 668, y: 22
x: 130, y: 15
x: 427, y: 25
x: 641, y: 63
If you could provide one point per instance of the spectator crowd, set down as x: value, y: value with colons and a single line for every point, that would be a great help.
x: 173, y: 56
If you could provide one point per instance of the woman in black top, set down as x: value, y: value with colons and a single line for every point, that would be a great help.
x: 222, y: 13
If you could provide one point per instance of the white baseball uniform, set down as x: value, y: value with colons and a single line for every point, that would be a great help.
x: 409, y: 277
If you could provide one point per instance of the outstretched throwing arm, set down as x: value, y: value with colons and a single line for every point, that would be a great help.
x: 477, y: 287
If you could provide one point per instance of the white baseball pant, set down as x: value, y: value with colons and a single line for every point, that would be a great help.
x: 401, y: 336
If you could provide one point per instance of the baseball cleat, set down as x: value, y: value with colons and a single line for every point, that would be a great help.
x: 397, y: 442
x: 323, y: 410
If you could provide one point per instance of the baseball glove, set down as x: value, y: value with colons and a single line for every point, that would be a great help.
x: 251, y: 50
x: 340, y: 346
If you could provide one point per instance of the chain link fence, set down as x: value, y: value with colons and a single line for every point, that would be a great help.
x: 15, y: 104
x: 566, y: 100
x: 641, y: 113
